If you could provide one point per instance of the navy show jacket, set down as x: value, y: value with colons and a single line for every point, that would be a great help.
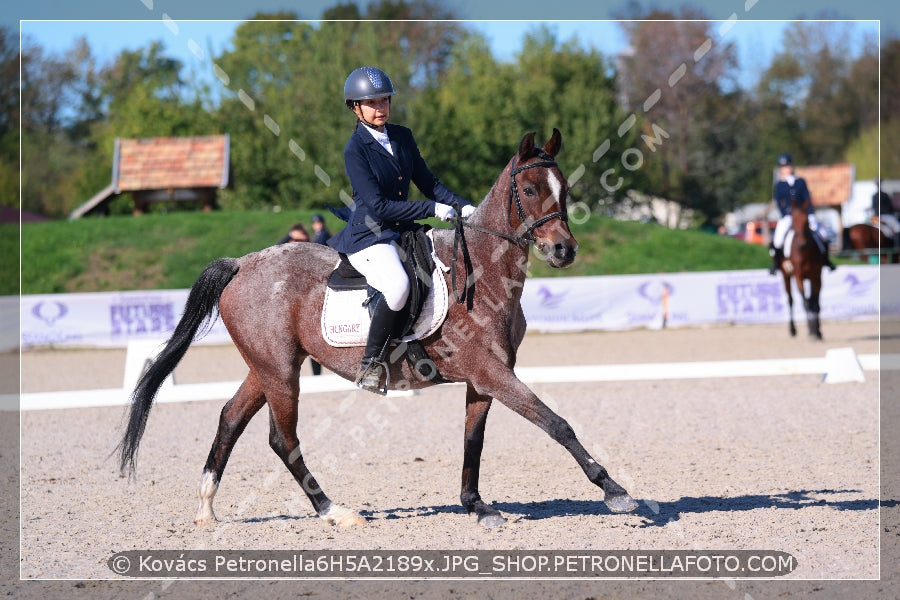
x: 787, y: 195
x: 381, y: 189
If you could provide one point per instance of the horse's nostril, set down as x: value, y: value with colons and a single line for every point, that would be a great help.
x: 564, y: 253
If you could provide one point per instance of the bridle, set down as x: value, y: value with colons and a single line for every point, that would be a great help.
x: 528, y: 237
x: 522, y: 241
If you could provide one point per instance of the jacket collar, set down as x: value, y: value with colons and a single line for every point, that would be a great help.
x: 369, y: 139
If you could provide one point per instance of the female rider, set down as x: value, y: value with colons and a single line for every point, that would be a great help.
x: 381, y: 160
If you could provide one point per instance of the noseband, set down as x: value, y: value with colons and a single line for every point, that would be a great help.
x: 519, y: 240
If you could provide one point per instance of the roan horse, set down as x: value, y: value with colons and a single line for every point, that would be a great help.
x: 270, y: 301
x: 805, y: 263
x: 868, y: 236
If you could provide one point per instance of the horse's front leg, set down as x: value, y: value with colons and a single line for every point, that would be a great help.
x: 477, y: 407
x: 502, y: 384
x: 787, y: 288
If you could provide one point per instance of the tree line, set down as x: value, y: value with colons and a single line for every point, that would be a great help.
x: 629, y: 132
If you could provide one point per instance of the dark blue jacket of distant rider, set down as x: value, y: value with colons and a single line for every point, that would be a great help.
x: 787, y: 195
x: 381, y: 189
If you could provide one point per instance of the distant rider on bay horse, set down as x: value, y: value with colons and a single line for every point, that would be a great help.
x: 883, y: 215
x: 791, y: 190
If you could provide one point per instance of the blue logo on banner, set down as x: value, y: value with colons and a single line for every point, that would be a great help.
x: 49, y: 312
x: 859, y: 287
x: 549, y: 299
x: 653, y: 290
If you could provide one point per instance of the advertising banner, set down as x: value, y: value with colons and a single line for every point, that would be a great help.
x: 550, y: 304
x: 105, y: 319
x: 686, y: 299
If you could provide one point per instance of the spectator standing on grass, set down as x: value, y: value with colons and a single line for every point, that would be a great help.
x: 297, y: 233
x: 321, y: 235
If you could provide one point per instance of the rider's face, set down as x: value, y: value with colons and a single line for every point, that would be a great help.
x: 375, y: 111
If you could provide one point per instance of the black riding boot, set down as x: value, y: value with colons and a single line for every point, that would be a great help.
x: 777, y: 254
x: 372, y: 374
x: 828, y: 262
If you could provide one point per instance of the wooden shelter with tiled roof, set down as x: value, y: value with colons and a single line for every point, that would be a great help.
x: 165, y: 169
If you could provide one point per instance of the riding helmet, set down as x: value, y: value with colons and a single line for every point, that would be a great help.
x: 785, y: 159
x: 366, y: 83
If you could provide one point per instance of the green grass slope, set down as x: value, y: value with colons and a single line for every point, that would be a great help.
x: 168, y: 251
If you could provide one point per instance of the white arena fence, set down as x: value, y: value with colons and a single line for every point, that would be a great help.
x: 564, y: 304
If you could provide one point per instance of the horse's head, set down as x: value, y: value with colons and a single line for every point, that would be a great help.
x: 538, y: 191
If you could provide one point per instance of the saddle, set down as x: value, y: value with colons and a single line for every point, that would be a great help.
x: 424, y: 311
x: 886, y: 224
x: 789, y: 239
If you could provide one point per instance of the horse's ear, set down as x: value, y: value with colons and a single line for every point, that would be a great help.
x: 554, y: 143
x: 526, y: 147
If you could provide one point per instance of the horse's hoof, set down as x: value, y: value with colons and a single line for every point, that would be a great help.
x: 620, y: 503
x: 353, y: 519
x: 491, y: 520
x: 342, y: 517
x: 205, y: 518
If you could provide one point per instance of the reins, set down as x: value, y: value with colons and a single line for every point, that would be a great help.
x: 521, y: 241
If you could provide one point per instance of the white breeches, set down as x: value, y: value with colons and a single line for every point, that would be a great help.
x: 784, y: 225
x: 381, y: 265
x: 891, y: 223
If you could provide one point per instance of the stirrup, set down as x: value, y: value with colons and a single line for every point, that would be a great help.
x: 372, y: 376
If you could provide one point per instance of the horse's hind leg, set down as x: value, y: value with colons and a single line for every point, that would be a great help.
x: 477, y: 407
x: 509, y: 390
x: 812, y: 309
x: 283, y: 440
x: 232, y: 422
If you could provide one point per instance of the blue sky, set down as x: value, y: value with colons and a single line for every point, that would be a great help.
x: 193, y: 41
x: 191, y: 28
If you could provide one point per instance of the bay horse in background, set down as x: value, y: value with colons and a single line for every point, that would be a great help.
x: 869, y: 236
x: 271, y: 301
x: 804, y: 264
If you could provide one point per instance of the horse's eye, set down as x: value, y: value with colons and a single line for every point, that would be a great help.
x: 529, y: 191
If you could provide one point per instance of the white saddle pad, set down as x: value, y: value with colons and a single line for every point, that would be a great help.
x: 886, y: 229
x: 345, y: 321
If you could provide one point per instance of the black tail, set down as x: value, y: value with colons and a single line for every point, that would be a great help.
x: 202, y: 301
